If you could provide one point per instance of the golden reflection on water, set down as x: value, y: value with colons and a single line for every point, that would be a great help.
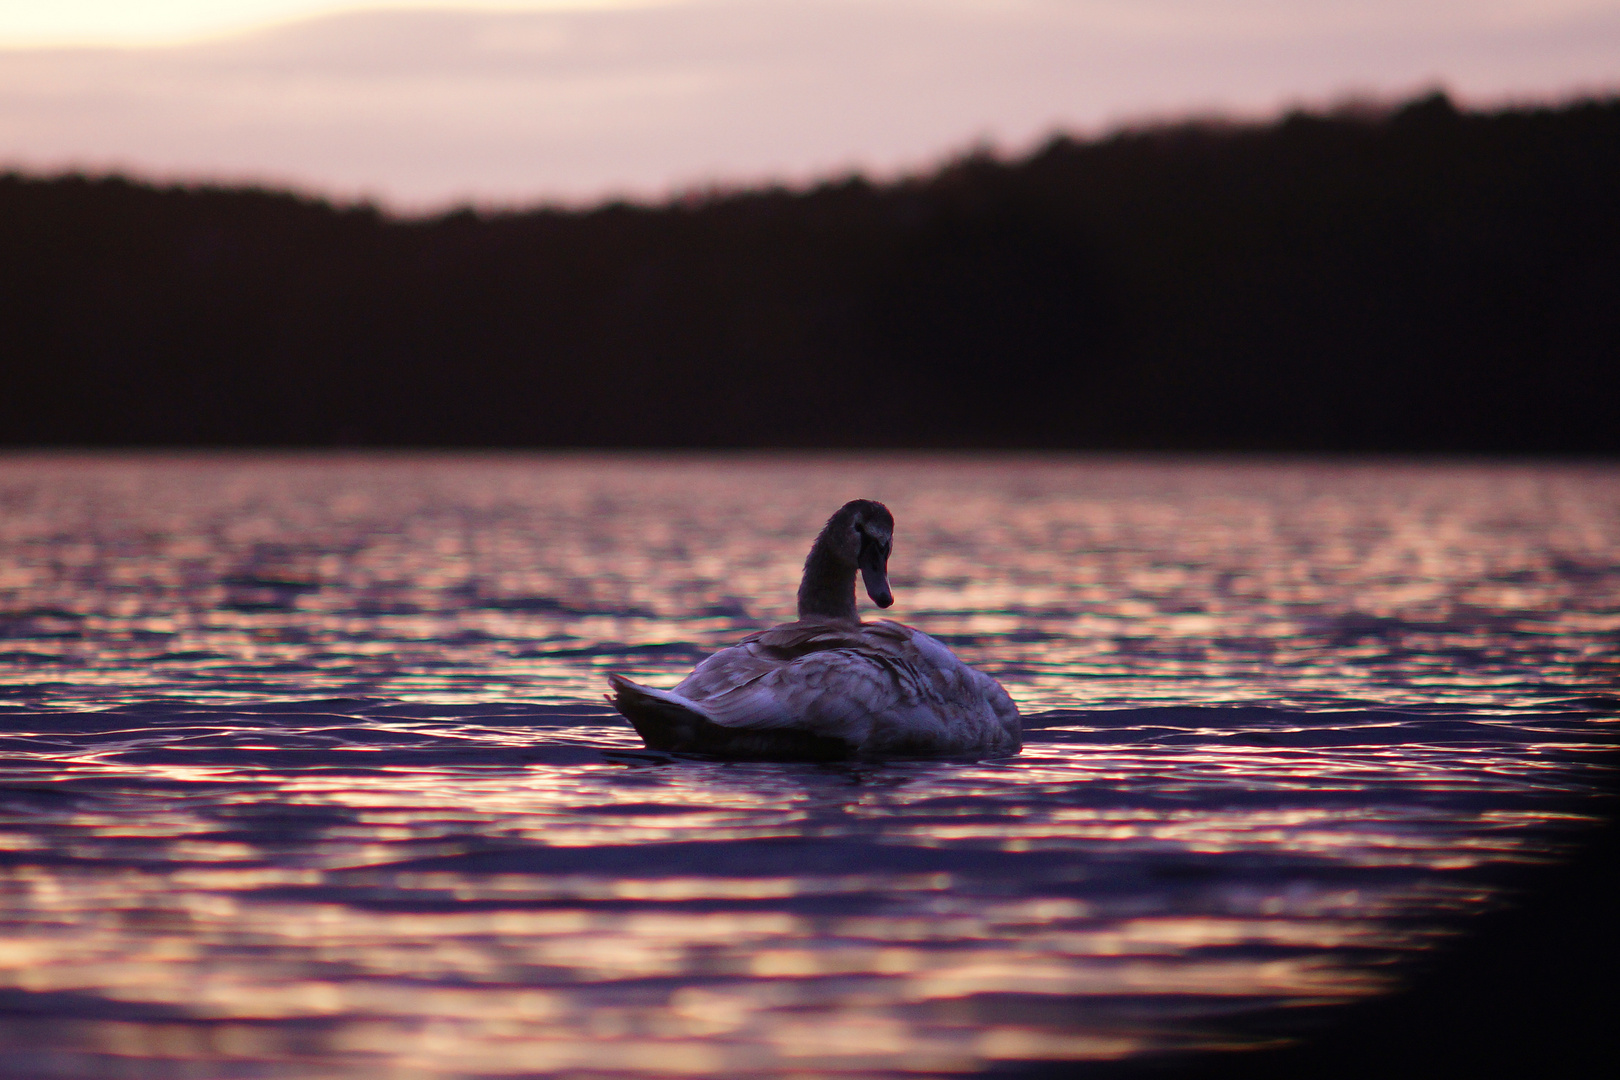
x: 369, y: 947
x: 307, y: 774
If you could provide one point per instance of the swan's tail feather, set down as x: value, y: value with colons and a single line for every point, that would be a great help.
x: 669, y: 722
x: 664, y: 720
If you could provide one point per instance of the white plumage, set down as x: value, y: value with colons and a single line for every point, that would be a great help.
x: 828, y: 685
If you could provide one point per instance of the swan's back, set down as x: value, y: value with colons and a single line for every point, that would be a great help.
x: 825, y: 689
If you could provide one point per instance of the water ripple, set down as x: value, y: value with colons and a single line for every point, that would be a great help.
x: 307, y: 773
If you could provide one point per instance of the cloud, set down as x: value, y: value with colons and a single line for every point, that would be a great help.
x: 421, y: 108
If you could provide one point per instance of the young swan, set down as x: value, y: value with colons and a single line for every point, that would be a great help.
x: 829, y: 686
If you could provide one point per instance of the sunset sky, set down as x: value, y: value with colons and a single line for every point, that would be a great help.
x: 421, y: 105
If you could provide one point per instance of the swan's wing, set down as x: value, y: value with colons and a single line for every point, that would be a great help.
x: 834, y: 694
x: 948, y: 702
x: 760, y: 654
x: 883, y: 680
x: 825, y: 679
x: 947, y: 675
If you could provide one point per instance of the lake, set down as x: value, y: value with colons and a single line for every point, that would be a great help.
x: 308, y: 772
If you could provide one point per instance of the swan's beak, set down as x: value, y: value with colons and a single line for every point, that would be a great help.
x: 875, y: 572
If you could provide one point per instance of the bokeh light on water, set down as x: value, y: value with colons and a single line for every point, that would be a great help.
x: 308, y: 772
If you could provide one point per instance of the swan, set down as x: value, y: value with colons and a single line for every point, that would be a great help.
x: 829, y: 686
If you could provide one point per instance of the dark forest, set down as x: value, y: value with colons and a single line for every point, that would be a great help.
x: 1418, y: 279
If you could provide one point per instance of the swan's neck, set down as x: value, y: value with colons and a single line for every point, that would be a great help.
x: 828, y: 588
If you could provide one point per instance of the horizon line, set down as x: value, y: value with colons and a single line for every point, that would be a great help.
x: 1370, y: 108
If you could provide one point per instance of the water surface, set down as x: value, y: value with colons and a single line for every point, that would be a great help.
x: 307, y: 771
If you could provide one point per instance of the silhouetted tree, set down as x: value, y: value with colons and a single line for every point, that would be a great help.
x: 1425, y: 279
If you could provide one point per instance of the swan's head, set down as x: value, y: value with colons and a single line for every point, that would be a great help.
x: 863, y: 532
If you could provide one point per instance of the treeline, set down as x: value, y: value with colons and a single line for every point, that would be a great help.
x: 1422, y: 280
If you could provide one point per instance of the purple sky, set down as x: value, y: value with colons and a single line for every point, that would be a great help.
x: 422, y: 108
